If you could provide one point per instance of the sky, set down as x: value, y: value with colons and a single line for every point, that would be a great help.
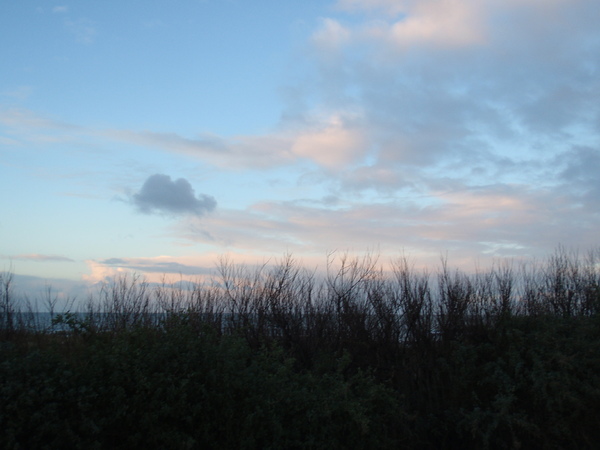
x: 156, y: 137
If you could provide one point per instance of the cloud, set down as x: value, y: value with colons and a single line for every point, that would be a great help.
x: 192, y: 268
x: 24, y: 125
x: 60, y: 9
x: 437, y: 85
x: 236, y: 152
x: 333, y: 146
x: 330, y: 141
x: 332, y: 35
x: 379, y: 178
x: 580, y: 175
x: 391, y: 7
x: 395, y: 7
x: 159, y: 194
x: 488, y: 220
x: 161, y: 265
x: 444, y: 23
x: 41, y: 258
x: 463, y: 89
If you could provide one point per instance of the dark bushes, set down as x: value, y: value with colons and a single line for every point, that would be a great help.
x: 280, y: 357
x: 175, y: 389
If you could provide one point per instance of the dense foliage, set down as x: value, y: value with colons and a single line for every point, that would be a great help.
x: 276, y: 358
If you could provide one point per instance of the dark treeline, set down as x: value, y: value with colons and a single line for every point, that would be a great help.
x: 281, y: 357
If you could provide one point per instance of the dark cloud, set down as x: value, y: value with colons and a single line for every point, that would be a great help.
x: 581, y: 174
x: 583, y: 165
x: 114, y: 261
x: 160, y: 194
x: 151, y: 266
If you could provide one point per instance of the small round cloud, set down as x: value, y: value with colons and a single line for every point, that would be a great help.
x: 159, y: 194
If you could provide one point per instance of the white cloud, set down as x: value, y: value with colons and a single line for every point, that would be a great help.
x: 331, y: 35
x: 333, y: 146
x: 99, y: 272
x: 394, y: 7
x: 444, y: 23
x: 455, y: 23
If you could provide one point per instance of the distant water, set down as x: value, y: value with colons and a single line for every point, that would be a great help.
x: 38, y: 321
x: 47, y: 322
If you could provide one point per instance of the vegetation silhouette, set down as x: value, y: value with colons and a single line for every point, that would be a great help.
x: 280, y: 357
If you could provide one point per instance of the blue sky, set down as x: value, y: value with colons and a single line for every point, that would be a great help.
x: 156, y: 136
